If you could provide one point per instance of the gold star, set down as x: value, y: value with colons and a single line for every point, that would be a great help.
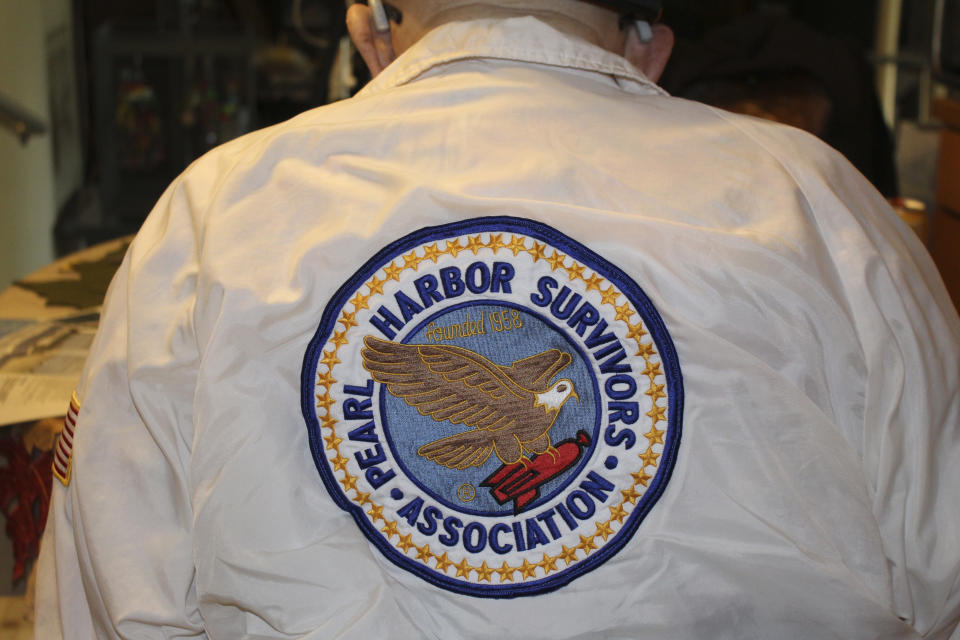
x: 389, y: 529
x: 587, y: 544
x: 556, y: 260
x: 625, y: 312
x: 442, y: 562
x: 339, y: 338
x: 652, y: 370
x: 411, y: 260
x: 568, y: 555
x: 604, y: 529
x: 548, y: 564
x: 609, y: 295
x: 657, y: 413
x: 496, y: 242
x: 528, y: 570
x: 325, y: 379
x: 362, y: 498
x: 423, y: 554
x: 645, y: 350
x: 641, y: 477
x: 506, y: 572
x: 405, y: 542
x: 575, y: 271
x: 330, y: 359
x: 655, y: 392
x: 375, y: 513
x: 431, y: 252
x: 348, y: 319
x: 649, y: 457
x: 454, y: 247
x: 340, y: 463
x: 537, y: 251
x: 474, y: 244
x: 333, y: 442
x: 359, y: 301
x: 630, y: 495
x: 593, y: 282
x: 392, y: 271
x: 348, y: 482
x: 655, y: 436
x: 516, y: 245
x: 618, y: 513
x: 375, y: 285
x: 329, y: 422
x: 325, y: 401
x: 636, y: 331
x: 464, y: 568
x: 484, y: 572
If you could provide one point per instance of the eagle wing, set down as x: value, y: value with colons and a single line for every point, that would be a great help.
x: 536, y: 372
x: 447, y: 383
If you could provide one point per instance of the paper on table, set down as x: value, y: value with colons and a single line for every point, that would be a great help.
x: 40, y: 365
x: 47, y: 323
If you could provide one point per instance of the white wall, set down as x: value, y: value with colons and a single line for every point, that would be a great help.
x: 28, y: 194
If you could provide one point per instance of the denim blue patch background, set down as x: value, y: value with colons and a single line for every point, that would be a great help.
x: 407, y: 430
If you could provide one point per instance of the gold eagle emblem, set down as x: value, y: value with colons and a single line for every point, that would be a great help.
x: 510, y: 409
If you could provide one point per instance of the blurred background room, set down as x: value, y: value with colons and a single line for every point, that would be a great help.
x: 104, y: 102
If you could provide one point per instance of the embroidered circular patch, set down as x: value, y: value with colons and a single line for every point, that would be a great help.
x: 497, y: 406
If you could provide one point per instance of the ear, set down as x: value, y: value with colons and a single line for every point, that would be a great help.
x: 650, y: 57
x: 375, y: 47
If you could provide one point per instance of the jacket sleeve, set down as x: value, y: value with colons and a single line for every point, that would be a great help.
x: 116, y: 559
x: 910, y: 441
x: 906, y: 423
x: 911, y: 437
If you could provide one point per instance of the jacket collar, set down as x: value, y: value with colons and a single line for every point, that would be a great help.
x: 523, y: 39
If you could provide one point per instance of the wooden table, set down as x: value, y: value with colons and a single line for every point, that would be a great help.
x: 945, y: 239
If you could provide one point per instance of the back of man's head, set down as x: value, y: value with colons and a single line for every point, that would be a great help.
x: 609, y: 24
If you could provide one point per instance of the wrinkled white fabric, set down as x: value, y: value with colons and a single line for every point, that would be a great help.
x: 817, y: 489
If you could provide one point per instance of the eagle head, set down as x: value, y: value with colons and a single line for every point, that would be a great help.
x: 554, y: 397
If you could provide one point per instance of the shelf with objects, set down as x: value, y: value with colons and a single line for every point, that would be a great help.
x: 162, y: 100
x: 162, y: 84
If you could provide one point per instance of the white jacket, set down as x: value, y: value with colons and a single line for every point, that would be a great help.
x: 353, y: 377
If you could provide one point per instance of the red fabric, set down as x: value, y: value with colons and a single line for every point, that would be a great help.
x: 25, y: 482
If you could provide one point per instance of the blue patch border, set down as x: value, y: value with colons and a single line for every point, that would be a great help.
x: 626, y: 285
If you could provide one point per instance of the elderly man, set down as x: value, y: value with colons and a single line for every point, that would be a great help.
x: 513, y: 344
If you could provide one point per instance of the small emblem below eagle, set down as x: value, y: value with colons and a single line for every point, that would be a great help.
x: 510, y: 409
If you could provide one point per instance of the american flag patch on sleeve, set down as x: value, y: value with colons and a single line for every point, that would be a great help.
x: 63, y: 452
